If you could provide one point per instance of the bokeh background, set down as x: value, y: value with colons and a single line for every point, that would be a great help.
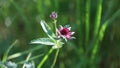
x: 20, y: 20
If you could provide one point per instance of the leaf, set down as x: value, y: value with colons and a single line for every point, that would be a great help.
x: 8, y: 50
x: 44, y: 41
x: 24, y: 52
x: 107, y: 23
x: 47, y: 30
x: 113, y: 17
x: 32, y: 58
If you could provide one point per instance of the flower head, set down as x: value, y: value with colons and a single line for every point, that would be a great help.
x: 66, y: 33
x: 53, y: 15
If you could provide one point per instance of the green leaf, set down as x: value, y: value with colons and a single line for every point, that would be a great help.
x: 32, y: 58
x: 44, y: 41
x: 107, y: 23
x: 5, y: 57
x: 24, y: 52
x: 47, y: 30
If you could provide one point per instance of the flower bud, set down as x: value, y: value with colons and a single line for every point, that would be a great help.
x: 53, y: 15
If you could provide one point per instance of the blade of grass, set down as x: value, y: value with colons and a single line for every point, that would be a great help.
x: 108, y: 11
x: 32, y: 58
x: 107, y: 23
x: 96, y: 30
x: 98, y: 18
x: 87, y: 23
x: 24, y: 52
x: 5, y: 57
x: 104, y: 26
x: 28, y: 57
x: 45, y: 58
x: 101, y: 34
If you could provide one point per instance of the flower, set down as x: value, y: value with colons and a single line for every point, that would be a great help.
x: 65, y: 32
x: 53, y: 15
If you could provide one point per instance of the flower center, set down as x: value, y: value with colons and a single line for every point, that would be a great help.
x: 65, y: 31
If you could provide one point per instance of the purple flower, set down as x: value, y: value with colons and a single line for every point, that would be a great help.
x: 53, y: 15
x: 65, y: 33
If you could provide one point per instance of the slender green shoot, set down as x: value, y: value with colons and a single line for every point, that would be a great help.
x: 55, y: 58
x: 45, y: 58
x: 101, y: 33
x: 28, y: 57
x: 32, y: 58
x: 87, y: 23
x: 24, y: 52
x: 5, y: 57
x: 98, y: 18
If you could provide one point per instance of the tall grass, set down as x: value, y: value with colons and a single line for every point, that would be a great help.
x: 84, y: 52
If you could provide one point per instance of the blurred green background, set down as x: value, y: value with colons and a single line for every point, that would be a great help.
x: 96, y: 24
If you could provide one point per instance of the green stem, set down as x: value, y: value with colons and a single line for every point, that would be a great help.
x: 32, y: 58
x: 28, y: 57
x: 87, y: 24
x: 45, y: 58
x: 55, y: 24
x: 96, y: 30
x: 55, y: 59
x: 98, y: 18
x: 101, y: 32
x: 97, y: 23
x: 24, y: 52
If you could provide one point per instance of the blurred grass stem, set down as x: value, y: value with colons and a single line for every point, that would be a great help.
x: 8, y: 50
x: 87, y: 23
x: 45, y: 58
x: 55, y: 58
